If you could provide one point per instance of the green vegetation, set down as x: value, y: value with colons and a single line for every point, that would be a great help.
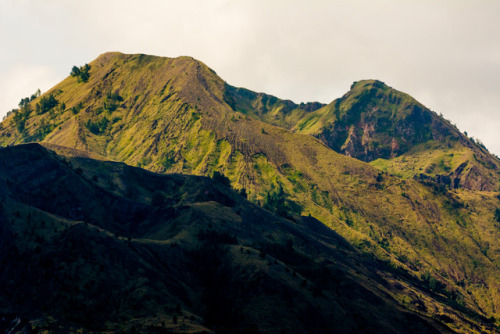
x: 26, y: 100
x: 46, y: 104
x: 167, y: 160
x: 375, y: 112
x: 277, y: 201
x: 111, y: 100
x: 82, y: 73
x: 157, y: 199
x: 76, y: 109
x: 423, y: 205
x: 97, y: 127
x: 43, y: 130
x: 221, y: 178
x: 21, y: 115
x: 268, y: 108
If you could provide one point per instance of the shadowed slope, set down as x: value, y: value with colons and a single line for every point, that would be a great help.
x: 111, y: 256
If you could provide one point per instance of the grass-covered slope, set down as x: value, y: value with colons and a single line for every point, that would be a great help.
x: 88, y: 245
x: 268, y: 108
x: 374, y: 121
x: 177, y: 116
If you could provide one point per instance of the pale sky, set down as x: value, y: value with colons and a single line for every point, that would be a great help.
x: 445, y: 53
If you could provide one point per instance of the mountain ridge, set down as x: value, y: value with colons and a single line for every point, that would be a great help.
x: 173, y: 116
x: 374, y: 121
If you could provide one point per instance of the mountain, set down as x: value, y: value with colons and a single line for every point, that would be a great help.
x: 127, y: 250
x: 378, y: 124
x: 175, y: 115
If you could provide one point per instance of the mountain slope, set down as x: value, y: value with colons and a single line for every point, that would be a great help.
x: 373, y: 121
x: 111, y: 256
x: 177, y: 116
x: 268, y: 108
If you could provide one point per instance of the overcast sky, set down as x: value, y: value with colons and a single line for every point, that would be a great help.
x: 445, y: 53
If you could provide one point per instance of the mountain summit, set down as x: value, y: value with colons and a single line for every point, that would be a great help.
x: 399, y: 183
x: 374, y: 121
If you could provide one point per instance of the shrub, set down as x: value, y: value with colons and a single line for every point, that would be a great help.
x: 43, y: 130
x: 75, y: 71
x: 24, y: 102
x: 81, y: 73
x: 221, y: 178
x: 277, y: 201
x: 35, y: 95
x: 97, y: 127
x: 46, y: 104
x: 167, y: 160
x: 21, y: 116
x: 76, y: 109
x: 243, y: 192
x: 111, y: 101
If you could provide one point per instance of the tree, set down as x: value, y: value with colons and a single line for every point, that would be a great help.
x: 76, y: 109
x: 277, y: 201
x: 75, y: 71
x: 24, y: 102
x: 46, y: 103
x: 21, y: 116
x: 82, y: 73
x: 221, y: 178
x: 97, y: 127
x: 84, y: 76
x: 243, y: 192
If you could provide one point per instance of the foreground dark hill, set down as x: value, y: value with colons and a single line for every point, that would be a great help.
x: 101, y: 246
x: 177, y: 116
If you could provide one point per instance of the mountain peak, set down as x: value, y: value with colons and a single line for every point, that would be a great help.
x: 376, y: 123
x: 379, y: 92
x: 367, y: 83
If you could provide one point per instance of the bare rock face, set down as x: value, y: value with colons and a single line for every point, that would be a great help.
x: 374, y: 121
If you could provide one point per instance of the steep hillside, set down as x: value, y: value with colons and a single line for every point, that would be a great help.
x: 268, y: 108
x: 101, y: 246
x: 373, y: 121
x: 177, y: 116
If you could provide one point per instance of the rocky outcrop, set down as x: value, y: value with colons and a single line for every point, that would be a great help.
x: 375, y: 121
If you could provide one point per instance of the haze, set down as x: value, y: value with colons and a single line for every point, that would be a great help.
x: 444, y: 53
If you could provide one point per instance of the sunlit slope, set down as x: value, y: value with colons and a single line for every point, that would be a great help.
x: 268, y: 108
x: 374, y: 121
x: 174, y: 115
